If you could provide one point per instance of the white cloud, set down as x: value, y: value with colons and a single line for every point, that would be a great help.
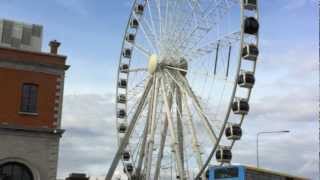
x: 90, y: 140
x: 285, y: 101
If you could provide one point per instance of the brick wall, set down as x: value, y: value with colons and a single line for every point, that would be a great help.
x: 11, y: 81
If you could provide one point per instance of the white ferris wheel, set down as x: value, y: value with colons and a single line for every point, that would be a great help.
x: 185, y: 76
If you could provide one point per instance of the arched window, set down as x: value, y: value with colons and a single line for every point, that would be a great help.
x: 15, y: 171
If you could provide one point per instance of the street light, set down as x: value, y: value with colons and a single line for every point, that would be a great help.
x: 266, y: 132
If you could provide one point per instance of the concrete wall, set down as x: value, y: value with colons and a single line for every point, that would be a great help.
x: 38, y: 151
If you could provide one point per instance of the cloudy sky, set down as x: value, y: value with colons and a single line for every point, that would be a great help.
x: 285, y: 96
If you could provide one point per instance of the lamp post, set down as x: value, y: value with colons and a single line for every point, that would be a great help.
x: 266, y: 132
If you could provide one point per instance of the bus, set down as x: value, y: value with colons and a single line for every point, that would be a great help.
x: 242, y: 172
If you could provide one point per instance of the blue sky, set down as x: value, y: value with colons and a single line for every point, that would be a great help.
x: 91, y: 33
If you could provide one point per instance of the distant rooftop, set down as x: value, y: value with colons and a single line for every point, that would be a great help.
x: 19, y: 35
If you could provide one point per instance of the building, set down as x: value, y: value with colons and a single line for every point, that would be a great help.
x: 31, y: 96
x: 20, y: 35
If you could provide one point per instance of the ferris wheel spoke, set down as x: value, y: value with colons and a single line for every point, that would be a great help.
x: 144, y: 51
x: 200, y: 31
x: 197, y: 10
x: 190, y: 125
x: 204, y: 74
x: 180, y: 123
x: 177, y: 22
x: 164, y: 133
x: 137, y: 149
x: 153, y: 27
x: 180, y: 32
x: 185, y: 86
x: 142, y: 150
x: 173, y: 19
x: 210, y: 47
x: 153, y: 33
x: 158, y: 4
x: 135, y: 91
x: 193, y: 37
x: 131, y: 126
x: 151, y: 39
x: 189, y: 34
x: 149, y: 119
x: 174, y: 140
x: 165, y: 24
x: 153, y: 126
x: 137, y: 70
x: 195, y: 141
x: 218, y: 6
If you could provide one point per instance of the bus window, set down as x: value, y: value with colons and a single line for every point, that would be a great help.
x: 226, y: 173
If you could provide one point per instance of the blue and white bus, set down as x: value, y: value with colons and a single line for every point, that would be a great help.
x: 246, y: 173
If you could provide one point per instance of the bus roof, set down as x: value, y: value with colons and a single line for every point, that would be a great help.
x: 273, y: 172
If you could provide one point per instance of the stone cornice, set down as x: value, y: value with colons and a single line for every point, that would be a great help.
x: 36, y: 130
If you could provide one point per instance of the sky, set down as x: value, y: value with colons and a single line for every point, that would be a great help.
x: 285, y: 95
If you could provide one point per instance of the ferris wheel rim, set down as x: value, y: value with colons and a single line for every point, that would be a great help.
x: 235, y: 84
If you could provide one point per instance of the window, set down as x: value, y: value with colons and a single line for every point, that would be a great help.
x: 15, y: 171
x: 26, y: 35
x: 226, y: 173
x: 29, y: 98
x: 7, y: 32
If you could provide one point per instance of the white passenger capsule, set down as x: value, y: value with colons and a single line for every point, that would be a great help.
x: 251, y: 26
x: 250, y: 52
x: 122, y: 128
x: 246, y: 79
x: 122, y: 83
x: 134, y: 23
x: 240, y: 106
x: 121, y: 113
x: 128, y: 168
x: 126, y: 155
x: 124, y: 68
x: 127, y: 53
x: 122, y: 98
x: 139, y: 9
x: 250, y: 4
x: 233, y: 132
x: 223, y: 154
x: 130, y: 38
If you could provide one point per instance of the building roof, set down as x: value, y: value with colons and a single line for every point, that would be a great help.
x: 274, y: 172
x: 30, y: 57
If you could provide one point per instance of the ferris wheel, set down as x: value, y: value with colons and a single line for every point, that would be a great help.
x: 186, y: 72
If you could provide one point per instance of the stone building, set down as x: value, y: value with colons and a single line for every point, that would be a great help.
x: 31, y: 96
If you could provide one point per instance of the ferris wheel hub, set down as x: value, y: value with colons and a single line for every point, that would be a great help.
x: 153, y: 63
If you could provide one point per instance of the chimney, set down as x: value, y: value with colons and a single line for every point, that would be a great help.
x: 54, y: 45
